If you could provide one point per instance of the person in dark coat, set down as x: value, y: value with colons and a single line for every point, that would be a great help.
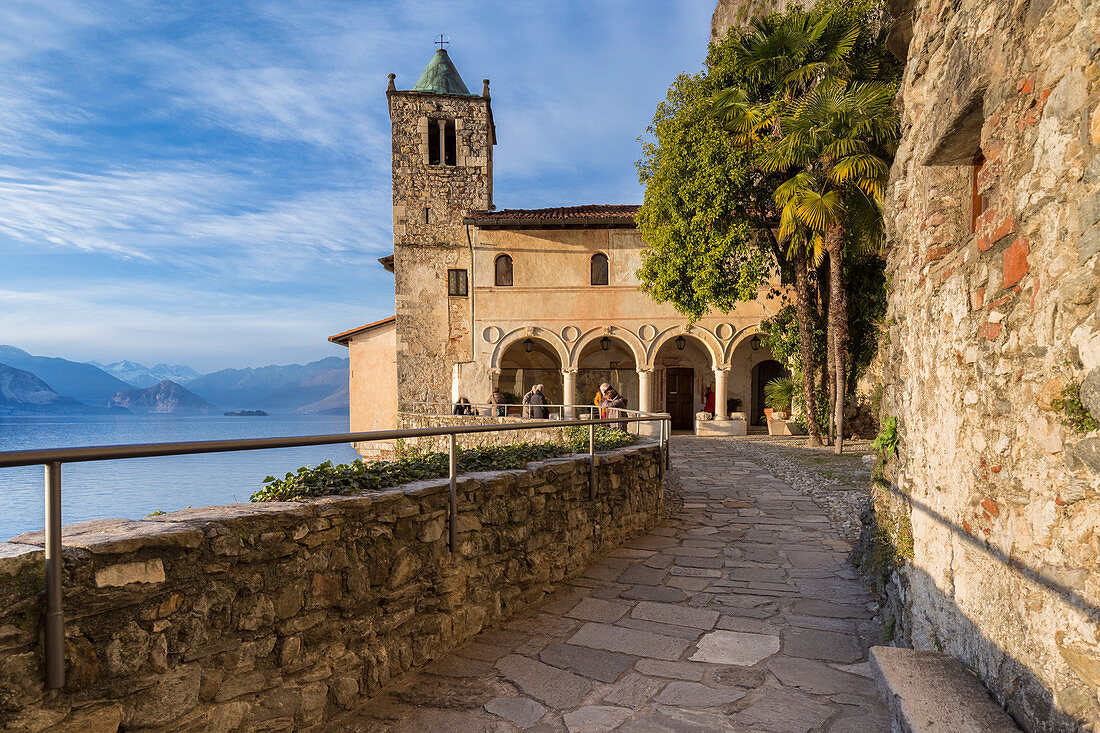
x: 463, y: 407
x: 534, y: 404
x: 614, y: 404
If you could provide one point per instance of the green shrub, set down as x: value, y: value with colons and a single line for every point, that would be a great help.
x: 411, y: 463
x: 886, y: 442
x: 1075, y: 415
x: 606, y: 438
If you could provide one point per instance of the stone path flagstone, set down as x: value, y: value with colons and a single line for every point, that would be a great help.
x: 739, y: 614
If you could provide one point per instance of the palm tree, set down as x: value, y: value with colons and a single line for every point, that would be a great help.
x: 823, y: 137
x: 835, y: 140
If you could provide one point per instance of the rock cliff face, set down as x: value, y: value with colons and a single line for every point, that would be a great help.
x: 994, y: 234
x: 165, y: 398
x: 729, y: 13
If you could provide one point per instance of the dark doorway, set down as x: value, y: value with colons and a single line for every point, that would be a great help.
x: 763, y: 373
x: 679, y: 398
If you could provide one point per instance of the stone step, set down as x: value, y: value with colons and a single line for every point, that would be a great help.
x: 930, y: 692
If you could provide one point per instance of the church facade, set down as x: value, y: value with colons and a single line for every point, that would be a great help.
x: 510, y: 298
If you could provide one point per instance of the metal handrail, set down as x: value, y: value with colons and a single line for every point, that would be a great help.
x: 490, y: 405
x: 52, y: 458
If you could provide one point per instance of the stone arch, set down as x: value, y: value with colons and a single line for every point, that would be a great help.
x: 706, y: 338
x: 545, y: 335
x: 743, y: 335
x: 637, y: 348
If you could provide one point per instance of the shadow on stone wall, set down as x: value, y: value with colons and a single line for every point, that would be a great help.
x: 924, y: 616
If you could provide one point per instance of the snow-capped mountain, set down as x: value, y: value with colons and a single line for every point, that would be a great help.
x: 140, y: 375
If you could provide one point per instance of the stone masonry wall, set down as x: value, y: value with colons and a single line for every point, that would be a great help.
x: 429, y: 203
x: 274, y: 616
x: 985, y: 331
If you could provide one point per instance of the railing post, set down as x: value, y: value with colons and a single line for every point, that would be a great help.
x: 668, y: 445
x: 454, y: 492
x: 592, y: 462
x: 661, y: 443
x: 55, y: 620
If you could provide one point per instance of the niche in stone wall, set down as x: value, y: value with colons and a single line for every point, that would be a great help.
x: 957, y: 196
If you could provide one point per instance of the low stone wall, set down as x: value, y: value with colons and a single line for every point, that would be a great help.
x: 273, y: 616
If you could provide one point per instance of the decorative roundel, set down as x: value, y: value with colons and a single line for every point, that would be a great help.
x: 492, y: 334
x: 570, y: 333
x: 724, y: 331
x: 647, y: 332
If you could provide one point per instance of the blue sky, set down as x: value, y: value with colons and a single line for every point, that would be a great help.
x: 208, y: 183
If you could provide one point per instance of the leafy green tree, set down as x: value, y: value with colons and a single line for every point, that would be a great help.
x: 704, y: 217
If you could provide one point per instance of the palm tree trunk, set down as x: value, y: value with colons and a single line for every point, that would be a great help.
x: 827, y: 368
x: 838, y: 326
x: 806, y: 334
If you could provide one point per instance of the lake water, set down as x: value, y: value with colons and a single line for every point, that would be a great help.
x: 134, y: 488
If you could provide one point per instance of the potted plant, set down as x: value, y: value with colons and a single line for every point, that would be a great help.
x: 778, y: 396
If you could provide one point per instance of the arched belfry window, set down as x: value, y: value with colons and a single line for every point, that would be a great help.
x: 442, y: 147
x: 504, y: 271
x: 599, y: 269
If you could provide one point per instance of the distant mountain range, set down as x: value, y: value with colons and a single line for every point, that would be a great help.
x: 125, y: 386
x: 83, y: 382
x: 164, y: 398
x: 22, y: 393
x: 280, y: 388
x: 140, y: 375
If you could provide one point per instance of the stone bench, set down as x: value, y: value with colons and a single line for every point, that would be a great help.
x: 934, y: 692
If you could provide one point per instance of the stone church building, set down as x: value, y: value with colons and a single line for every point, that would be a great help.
x: 511, y: 298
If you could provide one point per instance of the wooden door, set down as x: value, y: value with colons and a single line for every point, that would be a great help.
x: 680, y: 398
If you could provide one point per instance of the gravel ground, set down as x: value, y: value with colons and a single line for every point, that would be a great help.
x: 839, y: 484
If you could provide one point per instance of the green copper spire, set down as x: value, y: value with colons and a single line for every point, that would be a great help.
x: 441, y: 77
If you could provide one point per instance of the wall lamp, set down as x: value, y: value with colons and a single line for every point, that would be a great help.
x: 528, y: 346
x: 605, y: 343
x: 754, y: 342
x: 681, y: 343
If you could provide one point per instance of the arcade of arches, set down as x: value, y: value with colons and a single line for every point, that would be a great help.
x: 675, y: 379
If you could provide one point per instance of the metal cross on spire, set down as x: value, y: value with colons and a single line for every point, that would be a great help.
x: 442, y: 41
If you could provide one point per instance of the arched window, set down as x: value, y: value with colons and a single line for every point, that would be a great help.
x: 504, y: 271
x: 599, y: 269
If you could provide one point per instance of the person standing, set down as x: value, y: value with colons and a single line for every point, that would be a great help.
x: 496, y: 402
x: 614, y: 404
x: 708, y: 401
x: 600, y: 395
x: 534, y: 404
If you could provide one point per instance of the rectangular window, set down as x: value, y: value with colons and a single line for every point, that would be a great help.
x: 450, y: 145
x: 442, y: 142
x: 457, y: 283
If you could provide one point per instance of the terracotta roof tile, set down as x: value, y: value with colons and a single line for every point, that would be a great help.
x: 343, y: 338
x: 619, y: 214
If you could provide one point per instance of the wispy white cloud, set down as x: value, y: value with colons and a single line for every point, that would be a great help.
x: 188, y: 214
x: 246, y: 146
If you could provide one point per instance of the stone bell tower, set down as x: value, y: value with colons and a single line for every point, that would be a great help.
x: 443, y: 139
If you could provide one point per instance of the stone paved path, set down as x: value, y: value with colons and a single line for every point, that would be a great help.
x: 740, y: 614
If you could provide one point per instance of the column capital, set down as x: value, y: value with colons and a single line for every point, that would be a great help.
x: 721, y: 369
x: 644, y: 370
x: 569, y: 370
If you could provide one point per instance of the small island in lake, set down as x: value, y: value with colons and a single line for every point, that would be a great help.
x: 246, y: 413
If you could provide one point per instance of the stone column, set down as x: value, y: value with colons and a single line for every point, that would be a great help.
x: 720, y: 392
x: 569, y: 392
x: 645, y: 389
